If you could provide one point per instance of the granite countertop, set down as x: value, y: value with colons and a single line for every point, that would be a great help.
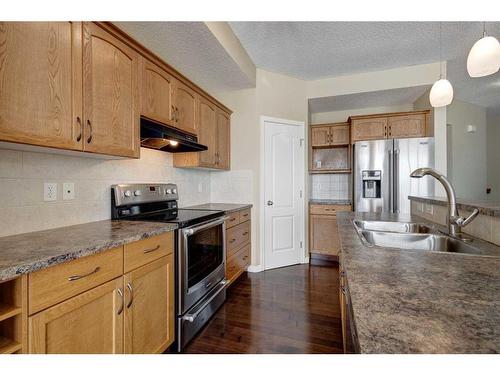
x: 410, y: 301
x: 338, y: 202
x: 29, y: 252
x: 226, y: 207
x: 484, y: 207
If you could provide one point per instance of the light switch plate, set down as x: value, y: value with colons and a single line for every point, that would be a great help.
x: 429, y: 209
x: 50, y: 191
x: 68, y: 191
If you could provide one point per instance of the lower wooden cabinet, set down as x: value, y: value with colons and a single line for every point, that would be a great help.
x: 132, y: 313
x: 149, y: 307
x: 91, y: 322
x: 238, y: 244
x: 323, y: 230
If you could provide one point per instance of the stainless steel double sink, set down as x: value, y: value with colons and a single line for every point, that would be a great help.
x: 419, y: 236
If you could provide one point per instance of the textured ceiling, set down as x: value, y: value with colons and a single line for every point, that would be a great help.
x: 367, y: 100
x: 193, y: 50
x: 315, y: 50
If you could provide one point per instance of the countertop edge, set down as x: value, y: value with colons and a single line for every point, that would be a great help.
x: 238, y: 207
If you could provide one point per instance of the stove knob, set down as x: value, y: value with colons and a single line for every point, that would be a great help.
x: 128, y: 193
x: 137, y: 193
x: 169, y: 191
x: 174, y: 191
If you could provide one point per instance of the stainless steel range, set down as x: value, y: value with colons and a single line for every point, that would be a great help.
x: 200, y: 250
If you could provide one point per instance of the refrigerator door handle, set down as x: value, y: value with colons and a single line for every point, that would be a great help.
x: 396, y: 181
x: 391, y: 181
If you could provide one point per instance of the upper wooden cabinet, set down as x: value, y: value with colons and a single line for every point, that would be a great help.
x: 329, y: 148
x: 186, y: 108
x: 390, y: 125
x: 369, y: 128
x: 223, y: 140
x: 320, y: 136
x: 157, y: 93
x: 408, y: 126
x: 208, y: 133
x: 110, y: 94
x: 325, y: 135
x: 41, y: 83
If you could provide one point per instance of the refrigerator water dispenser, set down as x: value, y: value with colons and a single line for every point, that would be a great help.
x: 372, y: 183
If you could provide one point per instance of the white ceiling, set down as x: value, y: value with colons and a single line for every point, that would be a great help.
x: 192, y: 49
x: 315, y: 50
x: 371, y: 99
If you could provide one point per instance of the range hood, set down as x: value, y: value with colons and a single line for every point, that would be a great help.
x: 165, y: 138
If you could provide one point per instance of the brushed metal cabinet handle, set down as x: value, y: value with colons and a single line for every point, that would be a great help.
x: 233, y: 240
x: 89, y: 124
x: 233, y: 219
x: 78, y: 277
x: 79, y: 122
x: 151, y: 250
x: 173, y: 113
x: 120, y: 293
x: 131, y: 290
x: 245, y: 233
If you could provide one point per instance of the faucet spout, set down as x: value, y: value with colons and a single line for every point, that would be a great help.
x: 455, y: 222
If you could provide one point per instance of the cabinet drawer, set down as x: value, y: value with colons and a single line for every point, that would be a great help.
x: 55, y: 284
x: 234, y: 219
x: 244, y: 215
x: 327, y: 209
x: 238, y: 262
x: 236, y: 237
x: 139, y: 253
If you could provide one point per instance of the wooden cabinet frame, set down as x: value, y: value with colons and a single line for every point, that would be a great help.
x: 330, y: 142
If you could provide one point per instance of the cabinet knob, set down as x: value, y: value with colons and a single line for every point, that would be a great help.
x: 89, y: 124
x: 79, y: 122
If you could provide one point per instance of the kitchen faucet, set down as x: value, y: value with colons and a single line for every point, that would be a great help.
x: 455, y: 221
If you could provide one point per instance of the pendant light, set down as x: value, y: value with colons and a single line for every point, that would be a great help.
x: 441, y: 92
x: 484, y: 56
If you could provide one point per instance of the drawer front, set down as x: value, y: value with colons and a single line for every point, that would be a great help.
x: 327, y: 209
x: 234, y: 219
x: 139, y: 253
x: 236, y: 237
x: 52, y: 285
x: 244, y: 215
x: 238, y: 262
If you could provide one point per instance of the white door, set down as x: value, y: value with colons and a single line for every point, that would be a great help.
x: 283, y: 193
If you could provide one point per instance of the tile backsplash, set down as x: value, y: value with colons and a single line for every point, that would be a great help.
x: 329, y: 186
x: 23, y: 174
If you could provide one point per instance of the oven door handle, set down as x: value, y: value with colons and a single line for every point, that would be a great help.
x: 213, y: 223
x: 192, y: 317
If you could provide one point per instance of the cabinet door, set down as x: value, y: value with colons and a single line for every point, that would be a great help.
x: 186, y: 108
x: 339, y: 135
x: 324, y: 235
x: 90, y: 323
x: 320, y: 136
x: 208, y: 133
x: 149, y: 311
x: 371, y: 128
x: 157, y: 88
x: 40, y: 83
x: 110, y: 94
x: 407, y: 126
x: 223, y: 140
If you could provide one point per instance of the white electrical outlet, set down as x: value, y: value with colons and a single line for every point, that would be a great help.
x: 50, y: 191
x: 68, y: 191
x: 429, y: 209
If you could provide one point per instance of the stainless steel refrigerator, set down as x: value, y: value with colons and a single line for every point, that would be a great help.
x: 381, y: 176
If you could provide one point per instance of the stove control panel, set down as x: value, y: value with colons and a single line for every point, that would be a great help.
x: 127, y: 194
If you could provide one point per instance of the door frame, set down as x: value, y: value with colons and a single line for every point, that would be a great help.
x: 262, y: 197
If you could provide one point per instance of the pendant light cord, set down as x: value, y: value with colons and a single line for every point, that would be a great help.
x: 440, y: 52
x: 484, y: 29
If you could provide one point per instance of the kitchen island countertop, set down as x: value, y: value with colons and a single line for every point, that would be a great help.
x: 226, y: 207
x: 411, y: 301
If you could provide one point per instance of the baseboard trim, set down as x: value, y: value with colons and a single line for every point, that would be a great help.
x: 323, y: 260
x: 255, y: 268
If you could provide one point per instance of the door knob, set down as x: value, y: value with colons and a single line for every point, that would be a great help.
x: 270, y: 203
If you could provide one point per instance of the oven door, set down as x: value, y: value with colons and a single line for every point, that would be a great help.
x: 202, y: 261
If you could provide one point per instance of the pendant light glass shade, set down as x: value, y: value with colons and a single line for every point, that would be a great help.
x: 441, y: 93
x: 484, y: 57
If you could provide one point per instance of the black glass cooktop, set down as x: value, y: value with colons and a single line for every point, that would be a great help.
x: 183, y: 218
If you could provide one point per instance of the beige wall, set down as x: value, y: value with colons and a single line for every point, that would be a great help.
x: 342, y: 116
x: 493, y: 156
x: 468, y: 150
x: 22, y: 175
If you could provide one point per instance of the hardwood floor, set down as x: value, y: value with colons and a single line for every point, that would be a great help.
x: 287, y: 310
